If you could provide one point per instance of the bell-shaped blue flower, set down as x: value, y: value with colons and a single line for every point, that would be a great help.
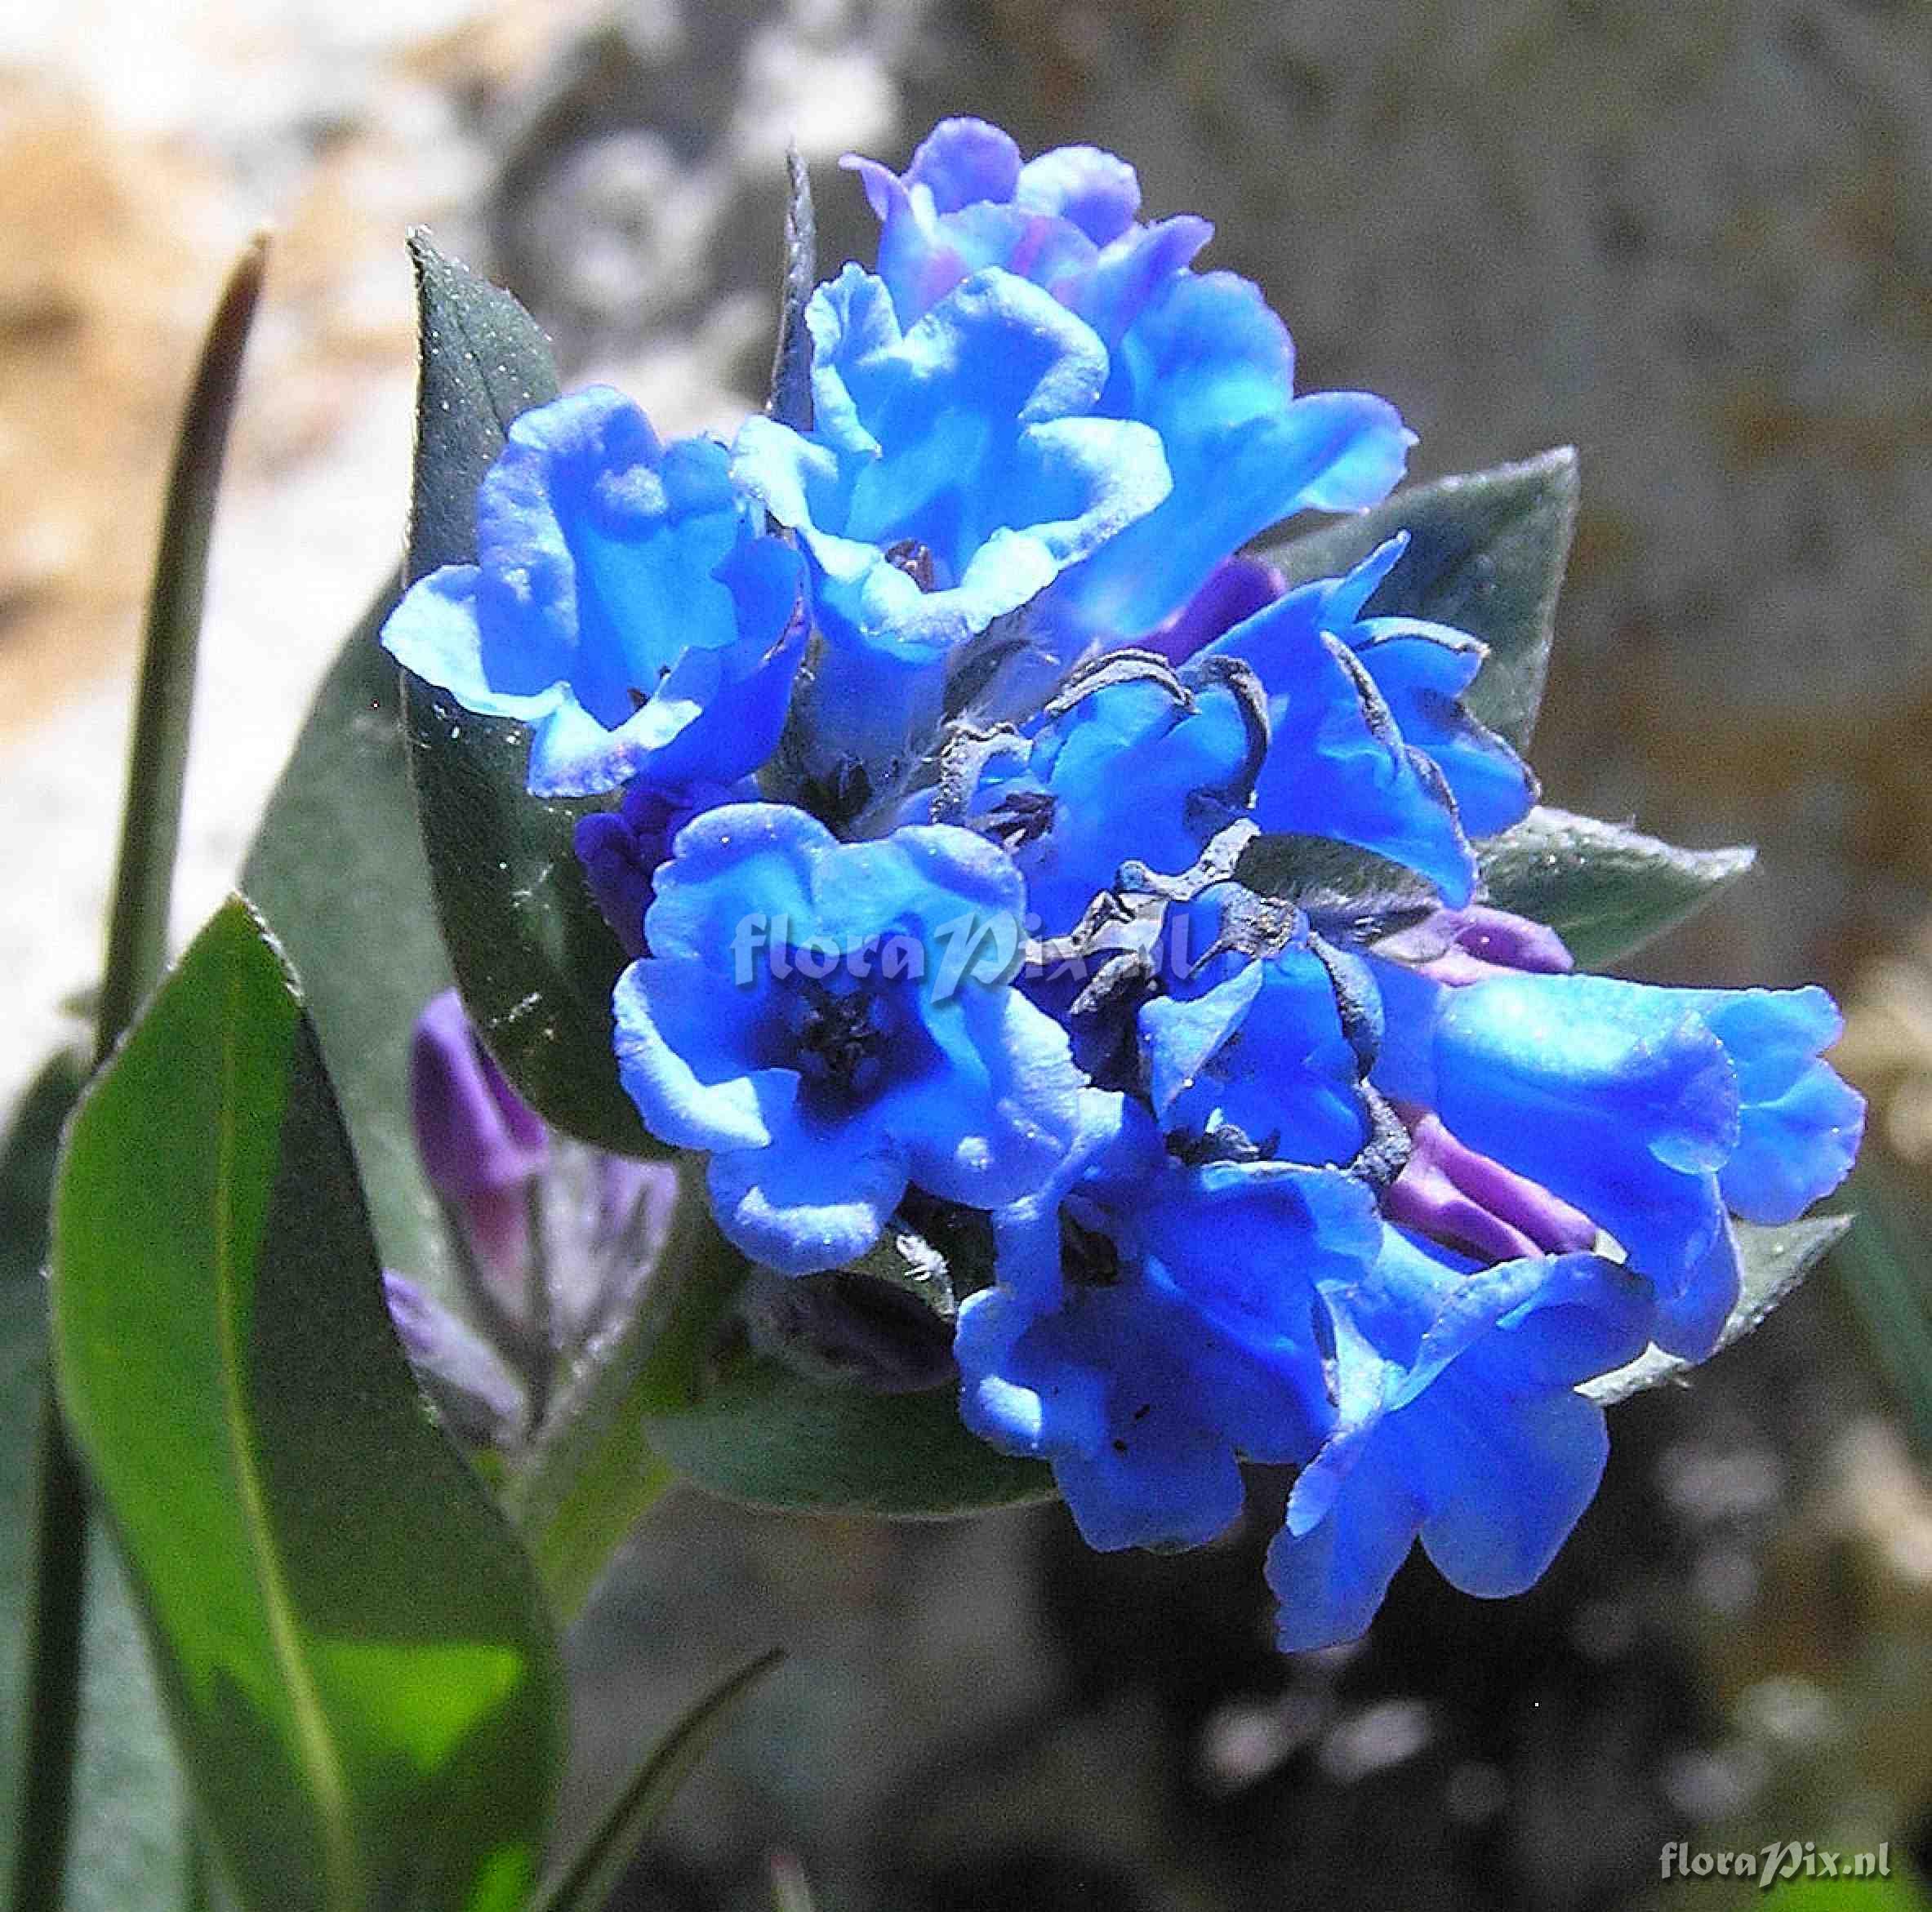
x: 1421, y: 669
x: 1266, y: 1049
x: 1458, y: 1422
x: 955, y: 467
x: 623, y: 604
x: 1342, y: 760
x: 1199, y: 356
x: 1151, y: 1324
x: 1653, y: 1111
x: 1065, y: 221
x: 836, y: 1021
x: 1130, y: 762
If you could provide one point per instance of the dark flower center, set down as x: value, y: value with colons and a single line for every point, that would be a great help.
x: 914, y: 558
x: 1088, y: 1258
x: 841, y: 1036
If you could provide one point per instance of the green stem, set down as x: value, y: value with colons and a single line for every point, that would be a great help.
x: 592, y: 1473
x: 136, y: 955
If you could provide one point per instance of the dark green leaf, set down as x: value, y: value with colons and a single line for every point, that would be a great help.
x: 682, y: 1384
x: 751, y: 1427
x: 158, y: 752
x: 358, y: 1664
x: 1774, y: 1261
x: 27, y: 1165
x: 338, y: 866
x: 591, y: 1876
x: 790, y: 401
x: 1486, y: 553
x: 482, y: 362
x: 127, y: 1828
x: 760, y: 1432
x: 1603, y: 888
x: 534, y: 960
x: 1335, y: 883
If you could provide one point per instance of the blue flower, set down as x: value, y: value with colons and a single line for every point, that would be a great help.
x: 1458, y: 1421
x: 1065, y: 220
x: 1343, y: 762
x: 623, y: 605
x: 1152, y: 1324
x: 1199, y: 356
x: 954, y: 469
x: 1653, y: 1111
x: 620, y: 850
x: 1264, y: 1051
x: 1129, y: 761
x: 836, y: 1021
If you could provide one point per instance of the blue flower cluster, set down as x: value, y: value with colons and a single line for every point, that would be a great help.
x: 946, y: 729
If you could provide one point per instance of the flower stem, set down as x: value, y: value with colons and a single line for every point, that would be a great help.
x: 592, y: 1474
x: 136, y: 954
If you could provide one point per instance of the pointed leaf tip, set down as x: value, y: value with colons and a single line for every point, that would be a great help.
x: 1604, y: 888
x: 1486, y: 554
x: 1772, y: 1262
x: 483, y: 361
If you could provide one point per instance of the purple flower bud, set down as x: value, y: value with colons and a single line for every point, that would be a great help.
x: 481, y: 1143
x: 1235, y: 590
x: 1471, y: 944
x: 469, y: 1382
x: 1466, y: 1200
x: 620, y: 849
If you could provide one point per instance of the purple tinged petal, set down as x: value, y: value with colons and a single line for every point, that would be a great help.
x: 470, y: 1380
x: 1451, y: 1192
x: 1458, y: 947
x: 475, y: 1134
x: 1233, y: 592
x: 1097, y: 191
x: 963, y: 159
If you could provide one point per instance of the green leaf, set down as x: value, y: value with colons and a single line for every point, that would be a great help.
x: 1603, y: 888
x: 760, y: 1432
x: 748, y: 1426
x: 1335, y: 881
x: 1486, y: 553
x: 682, y: 1384
x: 482, y: 362
x: 590, y: 1878
x: 338, y: 866
x: 358, y: 1666
x: 534, y: 959
x: 1772, y: 1262
x: 126, y: 1833
x: 158, y: 749
x: 27, y: 1159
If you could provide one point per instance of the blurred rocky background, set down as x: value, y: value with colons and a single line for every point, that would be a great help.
x: 1696, y: 240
